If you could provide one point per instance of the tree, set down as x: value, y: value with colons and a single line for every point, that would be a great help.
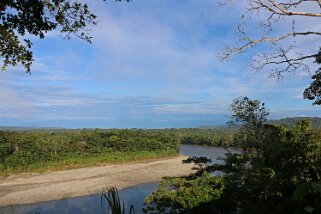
x: 18, y: 18
x: 285, y: 178
x: 313, y: 92
x: 283, y: 55
x: 251, y: 114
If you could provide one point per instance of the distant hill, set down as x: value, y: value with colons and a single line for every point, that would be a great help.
x: 17, y: 128
x: 212, y: 127
x: 290, y: 122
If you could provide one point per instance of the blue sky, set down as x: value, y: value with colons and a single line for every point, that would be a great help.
x: 152, y: 64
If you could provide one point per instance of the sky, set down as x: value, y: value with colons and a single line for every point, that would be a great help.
x: 151, y: 64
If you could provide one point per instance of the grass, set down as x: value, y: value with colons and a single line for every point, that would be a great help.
x: 114, y: 202
x: 80, y: 161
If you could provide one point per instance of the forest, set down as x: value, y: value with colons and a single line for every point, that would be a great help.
x: 279, y: 168
x: 291, y: 122
x: 42, y: 150
x: 49, y: 149
x: 278, y: 171
x: 25, y: 149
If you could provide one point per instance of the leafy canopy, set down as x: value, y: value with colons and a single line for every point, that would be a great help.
x: 20, y: 18
x: 280, y: 175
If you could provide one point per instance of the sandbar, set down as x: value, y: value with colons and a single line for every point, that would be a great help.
x: 37, y: 187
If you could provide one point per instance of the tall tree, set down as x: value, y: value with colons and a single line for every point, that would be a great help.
x: 284, y: 54
x: 284, y: 178
x: 252, y: 116
x: 18, y: 18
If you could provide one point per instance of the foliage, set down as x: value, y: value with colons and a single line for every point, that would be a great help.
x: 199, y: 162
x: 183, y: 194
x: 176, y: 195
x: 267, y: 183
x: 313, y: 92
x: 249, y: 113
x: 310, y: 194
x: 252, y: 115
x: 210, y: 137
x: 282, y: 175
x: 113, y: 200
x: 27, y: 150
x: 51, y: 149
x: 20, y: 19
x: 291, y: 122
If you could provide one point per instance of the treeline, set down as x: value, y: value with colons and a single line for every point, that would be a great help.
x: 22, y: 149
x: 291, y: 121
x: 51, y: 149
x: 222, y: 137
x: 278, y: 171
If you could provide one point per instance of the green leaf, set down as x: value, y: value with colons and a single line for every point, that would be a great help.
x: 302, y: 191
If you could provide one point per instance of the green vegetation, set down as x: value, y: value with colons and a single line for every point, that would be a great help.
x: 22, y: 19
x: 210, y: 137
x: 178, y: 194
x: 113, y: 201
x: 291, y: 122
x: 49, y: 150
x: 278, y: 171
x: 223, y: 136
x: 39, y: 150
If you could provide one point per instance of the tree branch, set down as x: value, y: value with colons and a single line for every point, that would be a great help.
x: 251, y: 43
x: 281, y: 9
x: 281, y: 57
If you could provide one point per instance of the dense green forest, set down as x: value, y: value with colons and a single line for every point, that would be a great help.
x: 211, y: 137
x: 31, y: 149
x: 49, y: 149
x: 292, y: 121
x: 227, y: 136
x: 43, y: 149
x: 279, y: 171
x: 289, y: 122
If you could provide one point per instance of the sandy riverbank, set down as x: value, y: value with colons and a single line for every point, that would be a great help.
x: 31, y: 188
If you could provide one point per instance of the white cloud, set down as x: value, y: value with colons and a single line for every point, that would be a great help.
x: 150, y: 61
x: 12, y: 104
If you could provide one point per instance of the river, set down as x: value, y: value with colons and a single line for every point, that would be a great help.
x: 134, y: 195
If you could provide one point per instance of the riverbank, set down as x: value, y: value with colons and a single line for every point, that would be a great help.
x: 87, y: 160
x: 31, y: 188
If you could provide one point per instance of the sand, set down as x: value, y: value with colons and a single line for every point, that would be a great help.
x: 31, y: 188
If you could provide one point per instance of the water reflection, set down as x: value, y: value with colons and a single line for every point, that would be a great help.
x: 87, y: 204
